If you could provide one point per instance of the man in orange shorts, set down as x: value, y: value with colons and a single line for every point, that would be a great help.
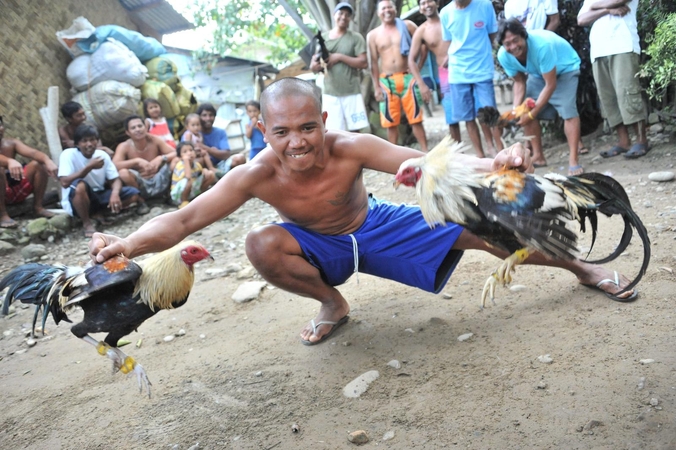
x: 394, y: 87
x: 18, y: 182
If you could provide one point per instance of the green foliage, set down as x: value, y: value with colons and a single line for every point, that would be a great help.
x: 241, y: 26
x: 660, y: 69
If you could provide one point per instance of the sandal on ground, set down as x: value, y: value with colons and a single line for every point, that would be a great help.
x: 613, y: 151
x: 11, y: 223
x: 574, y: 171
x: 582, y: 150
x: 538, y: 165
x: 614, y: 297
x: 636, y: 151
x: 334, y: 327
x: 142, y: 209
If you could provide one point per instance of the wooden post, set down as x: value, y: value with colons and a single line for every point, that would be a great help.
x: 50, y: 117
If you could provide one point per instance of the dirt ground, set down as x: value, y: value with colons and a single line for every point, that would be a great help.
x: 239, y: 378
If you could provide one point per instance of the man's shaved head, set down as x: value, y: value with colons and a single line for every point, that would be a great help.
x: 290, y: 87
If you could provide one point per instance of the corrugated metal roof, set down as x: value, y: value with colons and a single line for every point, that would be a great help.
x: 157, y: 14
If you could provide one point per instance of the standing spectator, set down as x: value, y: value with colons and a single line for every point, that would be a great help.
x: 90, y: 182
x: 75, y: 116
x: 17, y: 182
x: 471, y: 26
x: 615, y: 50
x: 157, y: 124
x: 342, y: 98
x: 429, y: 35
x: 253, y: 110
x: 552, y: 69
x: 144, y: 161
x: 215, y: 142
x: 394, y: 86
x: 534, y: 14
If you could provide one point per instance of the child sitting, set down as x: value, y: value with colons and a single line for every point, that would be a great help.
x: 189, y: 178
x: 157, y: 124
x: 253, y: 110
x: 193, y: 133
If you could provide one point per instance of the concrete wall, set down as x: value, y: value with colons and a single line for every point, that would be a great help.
x: 31, y: 59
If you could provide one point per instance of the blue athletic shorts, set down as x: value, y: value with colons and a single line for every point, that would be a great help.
x: 394, y: 242
x: 99, y: 200
x: 469, y: 97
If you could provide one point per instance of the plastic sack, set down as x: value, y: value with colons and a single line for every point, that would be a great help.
x: 80, y: 29
x: 186, y: 100
x: 164, y: 70
x: 109, y: 102
x: 144, y: 47
x: 112, y: 61
x: 164, y: 95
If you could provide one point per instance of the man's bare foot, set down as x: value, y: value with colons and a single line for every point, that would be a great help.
x: 8, y: 222
x: 333, y: 312
x: 42, y: 212
x: 601, y: 278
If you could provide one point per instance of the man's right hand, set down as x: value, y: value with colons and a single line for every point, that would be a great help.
x: 425, y: 93
x: 15, y: 169
x: 378, y: 94
x: 105, y: 246
x: 95, y: 163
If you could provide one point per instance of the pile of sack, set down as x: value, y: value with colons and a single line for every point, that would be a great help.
x: 114, y: 69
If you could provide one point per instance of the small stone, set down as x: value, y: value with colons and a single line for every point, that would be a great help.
x: 464, y: 337
x: 31, y: 342
x: 656, y: 128
x: 646, y: 361
x: 233, y: 268
x: 359, y: 385
x: 155, y: 211
x: 40, y: 228
x: 5, y: 248
x: 518, y: 288
x: 542, y: 385
x: 180, y: 332
x: 7, y: 333
x: 258, y: 374
x: 194, y: 447
x: 33, y: 251
x: 358, y: 437
x: 388, y: 435
x: 203, y: 336
x: 661, y: 176
x: 654, y: 402
x: 60, y: 222
x: 409, y: 330
x: 248, y: 291
x: 215, y: 272
x: 347, y: 343
x: 169, y: 338
x: 641, y: 383
x: 246, y: 272
x: 591, y: 425
x: 545, y: 359
x: 446, y: 296
x: 394, y: 364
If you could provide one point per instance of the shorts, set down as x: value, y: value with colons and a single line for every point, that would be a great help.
x: 17, y: 191
x: 446, y: 100
x: 394, y: 242
x: 99, y: 200
x: 400, y: 90
x: 155, y: 186
x: 467, y: 98
x: 619, y: 89
x: 178, y: 188
x: 564, y: 99
x: 345, y: 113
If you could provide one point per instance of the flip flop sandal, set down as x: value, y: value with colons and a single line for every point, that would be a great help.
x: 636, y: 151
x: 614, y: 151
x: 334, y: 327
x: 614, y: 297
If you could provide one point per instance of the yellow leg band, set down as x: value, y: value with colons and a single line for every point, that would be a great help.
x: 102, y: 348
x: 521, y: 255
x: 128, y: 365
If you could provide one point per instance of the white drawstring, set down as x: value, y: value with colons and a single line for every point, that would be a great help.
x: 355, y: 251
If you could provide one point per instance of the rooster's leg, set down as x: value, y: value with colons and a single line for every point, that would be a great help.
x: 503, y: 274
x: 123, y: 363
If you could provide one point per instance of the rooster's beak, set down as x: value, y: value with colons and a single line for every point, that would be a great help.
x: 396, y: 184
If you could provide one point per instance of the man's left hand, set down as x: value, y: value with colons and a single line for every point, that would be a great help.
x: 52, y: 169
x: 115, y: 204
x: 515, y: 157
x: 334, y: 58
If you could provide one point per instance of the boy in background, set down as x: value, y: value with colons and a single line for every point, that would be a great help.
x: 253, y: 110
x: 189, y: 179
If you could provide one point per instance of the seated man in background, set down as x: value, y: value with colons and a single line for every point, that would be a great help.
x: 75, y: 116
x: 89, y: 181
x: 144, y: 161
x: 215, y: 142
x: 17, y: 182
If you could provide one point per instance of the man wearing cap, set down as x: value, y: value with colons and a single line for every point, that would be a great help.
x: 342, y: 98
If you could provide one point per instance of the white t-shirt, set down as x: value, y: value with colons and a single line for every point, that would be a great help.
x: 72, y: 160
x: 531, y: 13
x: 613, y: 35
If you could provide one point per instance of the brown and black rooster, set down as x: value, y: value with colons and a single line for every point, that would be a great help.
x: 519, y: 212
x: 508, y: 120
x: 116, y: 296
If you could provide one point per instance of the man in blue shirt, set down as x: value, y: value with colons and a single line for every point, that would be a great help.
x: 553, y: 69
x: 215, y: 142
x: 470, y: 26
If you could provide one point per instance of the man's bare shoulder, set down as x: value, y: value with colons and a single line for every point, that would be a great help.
x: 8, y: 147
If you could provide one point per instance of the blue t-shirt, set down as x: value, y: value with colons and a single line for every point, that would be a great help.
x: 217, y: 138
x: 257, y: 142
x: 546, y: 51
x: 470, y: 56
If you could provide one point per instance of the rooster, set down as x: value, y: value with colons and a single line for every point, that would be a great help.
x: 518, y: 212
x: 116, y: 296
x: 507, y: 120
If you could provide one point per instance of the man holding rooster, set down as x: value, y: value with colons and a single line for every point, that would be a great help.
x: 314, y: 179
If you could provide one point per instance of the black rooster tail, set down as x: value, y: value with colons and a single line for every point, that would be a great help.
x: 32, y: 284
x: 612, y: 199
